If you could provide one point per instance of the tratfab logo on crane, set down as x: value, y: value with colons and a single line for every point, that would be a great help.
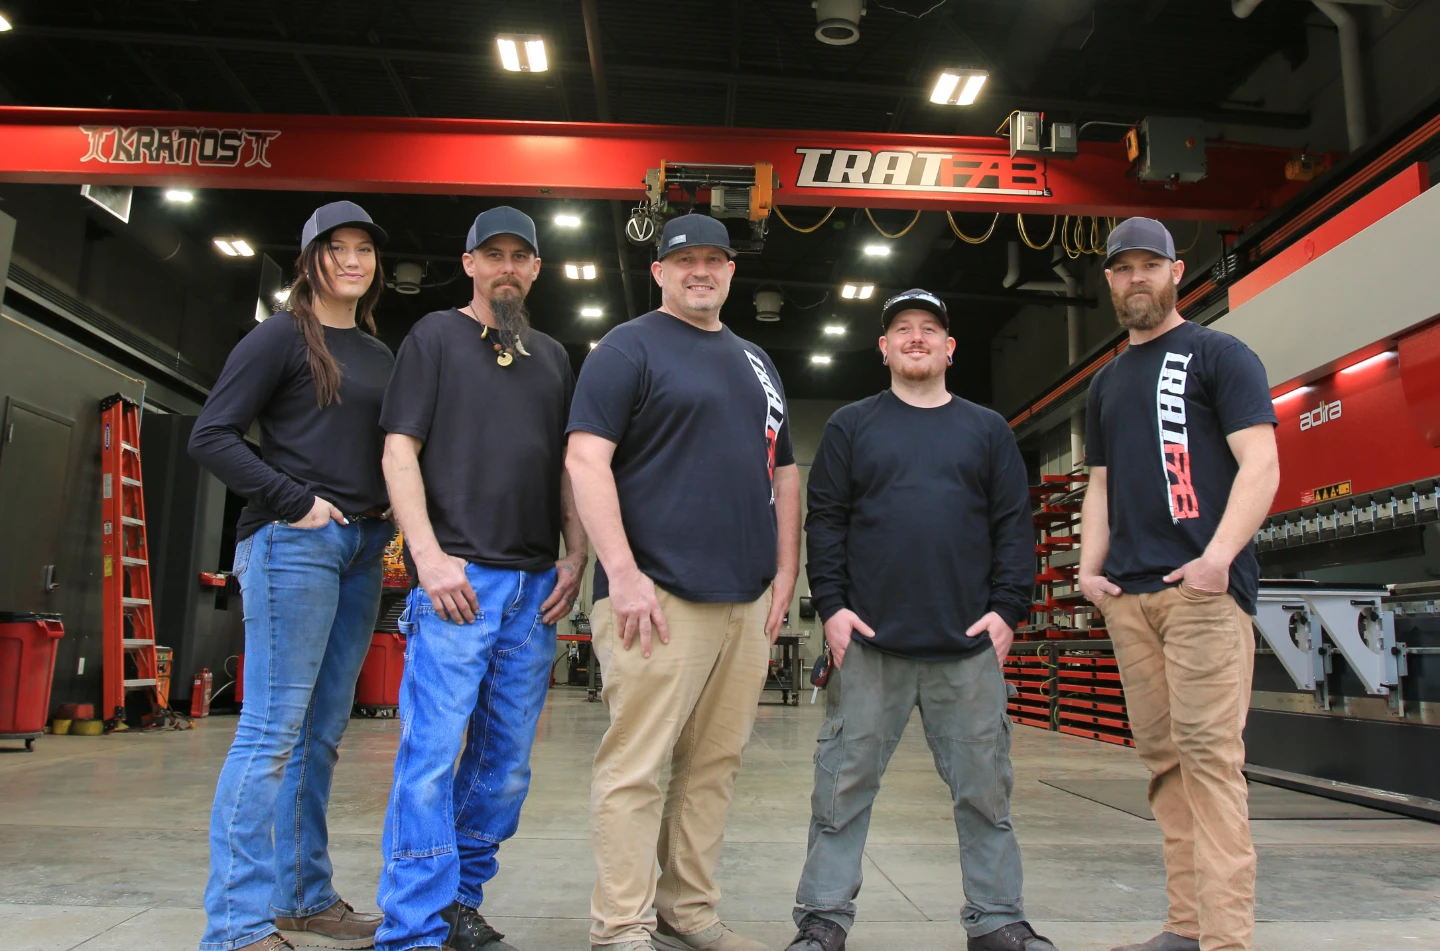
x: 975, y: 173
x: 177, y: 145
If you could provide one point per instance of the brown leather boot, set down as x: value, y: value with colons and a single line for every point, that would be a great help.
x: 275, y: 941
x: 339, y: 926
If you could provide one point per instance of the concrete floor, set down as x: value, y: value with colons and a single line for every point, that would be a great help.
x: 103, y: 845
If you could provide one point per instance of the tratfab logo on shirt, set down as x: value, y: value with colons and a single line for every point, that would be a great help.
x: 774, y: 412
x: 1174, y: 437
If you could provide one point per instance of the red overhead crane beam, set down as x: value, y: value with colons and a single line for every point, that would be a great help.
x: 597, y: 160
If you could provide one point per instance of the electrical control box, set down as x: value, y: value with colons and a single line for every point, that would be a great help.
x: 1170, y: 150
x: 1061, y: 139
x: 1024, y: 133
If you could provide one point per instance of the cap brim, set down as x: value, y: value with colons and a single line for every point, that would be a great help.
x: 377, y: 233
x: 481, y: 239
x: 887, y: 316
x: 1136, y: 247
x: 729, y: 251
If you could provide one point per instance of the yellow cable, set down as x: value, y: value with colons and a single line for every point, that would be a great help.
x: 1070, y: 252
x: 1020, y: 225
x: 899, y: 234
x: 965, y: 237
x: 815, y: 227
x: 1199, y: 226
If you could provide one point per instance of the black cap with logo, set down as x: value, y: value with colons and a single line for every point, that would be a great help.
x: 914, y: 299
x: 694, y: 231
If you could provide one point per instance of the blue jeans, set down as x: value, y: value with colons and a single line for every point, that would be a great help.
x: 445, y: 824
x: 310, y: 598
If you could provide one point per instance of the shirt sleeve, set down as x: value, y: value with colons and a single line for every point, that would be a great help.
x: 605, y: 394
x: 252, y: 373
x: 409, y: 406
x: 1094, y: 430
x: 827, y: 522
x: 1012, y: 530
x: 1241, y: 389
x: 784, y: 449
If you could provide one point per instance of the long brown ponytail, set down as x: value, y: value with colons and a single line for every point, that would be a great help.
x: 311, y: 278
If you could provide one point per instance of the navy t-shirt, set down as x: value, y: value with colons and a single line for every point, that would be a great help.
x: 699, y: 424
x: 1157, y: 420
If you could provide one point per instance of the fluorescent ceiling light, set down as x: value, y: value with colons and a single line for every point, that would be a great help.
x: 580, y: 272
x: 226, y: 247
x: 4, y: 25
x: 179, y: 194
x: 835, y: 330
x: 958, y: 87
x: 591, y: 312
x: 1371, y: 361
x: 820, y: 358
x: 877, y: 250
x: 857, y: 291
x: 568, y: 221
x: 243, y: 249
x: 522, y: 52
x: 1298, y: 391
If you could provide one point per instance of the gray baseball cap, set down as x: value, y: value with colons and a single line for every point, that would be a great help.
x: 914, y: 299
x: 1139, y: 234
x: 339, y: 214
x: 502, y: 220
x: 694, y: 231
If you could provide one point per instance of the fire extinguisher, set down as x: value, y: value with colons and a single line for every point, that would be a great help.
x: 200, y: 694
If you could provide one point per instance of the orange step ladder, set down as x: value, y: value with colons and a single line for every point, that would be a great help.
x: 129, y: 661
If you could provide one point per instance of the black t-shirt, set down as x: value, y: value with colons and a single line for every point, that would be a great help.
x: 494, y: 439
x: 919, y: 521
x: 699, y: 424
x: 1157, y: 420
x: 305, y: 450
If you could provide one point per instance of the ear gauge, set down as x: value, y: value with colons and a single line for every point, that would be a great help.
x: 950, y: 361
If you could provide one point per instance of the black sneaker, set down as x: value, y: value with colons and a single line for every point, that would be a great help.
x: 469, y: 931
x: 1017, y: 937
x: 818, y: 934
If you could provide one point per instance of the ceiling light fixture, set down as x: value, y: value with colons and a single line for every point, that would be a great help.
x: 1370, y: 361
x: 821, y: 359
x: 226, y: 247
x: 958, y: 87
x: 179, y: 194
x: 522, y: 52
x: 591, y: 312
x: 857, y: 291
x: 568, y: 221
x: 1298, y: 391
x: 835, y: 330
x: 877, y: 250
x: 4, y: 25
x: 242, y: 248
x: 580, y: 272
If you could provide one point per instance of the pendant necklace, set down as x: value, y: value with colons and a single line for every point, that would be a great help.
x: 503, y: 356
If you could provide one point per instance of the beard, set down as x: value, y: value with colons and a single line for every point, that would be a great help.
x: 914, y: 373
x: 512, y: 320
x: 1140, y: 311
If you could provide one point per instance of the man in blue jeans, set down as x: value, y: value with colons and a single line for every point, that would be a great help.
x: 474, y: 458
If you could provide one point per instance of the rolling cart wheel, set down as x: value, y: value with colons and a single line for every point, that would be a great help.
x: 29, y: 746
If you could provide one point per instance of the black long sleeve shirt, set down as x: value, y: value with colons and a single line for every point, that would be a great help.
x: 305, y: 450
x: 919, y: 521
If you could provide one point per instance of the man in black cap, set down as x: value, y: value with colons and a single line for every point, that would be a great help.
x: 684, y: 475
x: 1180, y: 440
x: 920, y: 540
x: 474, y: 458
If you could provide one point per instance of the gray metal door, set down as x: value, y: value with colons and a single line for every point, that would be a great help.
x: 34, y: 458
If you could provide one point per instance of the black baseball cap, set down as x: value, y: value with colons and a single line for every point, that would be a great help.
x: 1139, y: 234
x: 692, y: 231
x: 914, y: 299
x: 340, y: 214
x: 502, y: 220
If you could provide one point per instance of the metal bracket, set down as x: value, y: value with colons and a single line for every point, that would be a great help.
x: 1286, y: 627
x: 1353, y: 619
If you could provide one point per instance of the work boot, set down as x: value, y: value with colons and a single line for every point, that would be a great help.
x: 275, y: 941
x: 818, y: 934
x: 1164, y: 941
x: 1016, y: 937
x: 717, y: 937
x: 469, y: 931
x: 624, y: 946
x: 339, y: 926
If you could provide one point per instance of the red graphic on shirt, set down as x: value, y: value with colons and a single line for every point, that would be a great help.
x: 1183, y: 502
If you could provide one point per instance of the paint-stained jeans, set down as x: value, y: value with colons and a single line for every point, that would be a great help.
x: 445, y: 824
x: 1186, y: 660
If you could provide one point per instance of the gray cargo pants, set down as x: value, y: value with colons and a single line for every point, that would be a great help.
x: 867, y: 705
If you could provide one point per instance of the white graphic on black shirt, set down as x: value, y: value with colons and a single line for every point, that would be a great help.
x: 1175, y: 437
x: 774, y: 414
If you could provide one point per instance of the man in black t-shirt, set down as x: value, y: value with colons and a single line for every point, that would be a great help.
x: 475, y: 415
x: 1183, y: 467
x: 684, y: 475
x: 920, y: 540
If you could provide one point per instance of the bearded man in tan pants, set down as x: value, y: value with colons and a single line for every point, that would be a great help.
x: 680, y: 457
x: 1181, y: 446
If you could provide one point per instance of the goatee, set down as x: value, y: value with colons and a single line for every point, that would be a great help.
x: 512, y: 321
x: 1136, y: 310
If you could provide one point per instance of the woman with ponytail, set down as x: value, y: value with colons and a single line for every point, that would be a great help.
x: 308, y: 558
